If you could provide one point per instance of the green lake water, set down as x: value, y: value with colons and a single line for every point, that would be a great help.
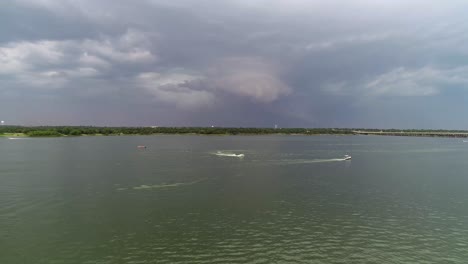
x: 290, y: 199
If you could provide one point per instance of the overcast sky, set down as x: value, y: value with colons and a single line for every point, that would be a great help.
x: 295, y: 63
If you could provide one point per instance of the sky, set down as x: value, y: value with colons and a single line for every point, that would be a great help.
x: 235, y: 63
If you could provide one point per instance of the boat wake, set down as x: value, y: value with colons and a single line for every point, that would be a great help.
x: 225, y: 154
x: 304, y: 161
x: 162, y: 186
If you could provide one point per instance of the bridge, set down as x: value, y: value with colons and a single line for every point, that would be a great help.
x: 413, y: 133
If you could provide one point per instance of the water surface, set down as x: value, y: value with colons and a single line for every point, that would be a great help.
x: 290, y: 199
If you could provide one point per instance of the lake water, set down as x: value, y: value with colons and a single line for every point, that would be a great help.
x: 290, y: 199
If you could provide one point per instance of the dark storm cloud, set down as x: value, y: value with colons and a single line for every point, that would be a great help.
x: 233, y: 63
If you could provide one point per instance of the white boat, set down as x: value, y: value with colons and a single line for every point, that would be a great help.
x: 346, y: 157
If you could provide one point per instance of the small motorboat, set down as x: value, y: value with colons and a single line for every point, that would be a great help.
x: 141, y: 147
x: 346, y: 157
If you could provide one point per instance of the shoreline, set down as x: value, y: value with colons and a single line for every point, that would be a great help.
x: 171, y: 134
x: 402, y: 134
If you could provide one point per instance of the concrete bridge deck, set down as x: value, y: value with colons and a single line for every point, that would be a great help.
x: 413, y: 134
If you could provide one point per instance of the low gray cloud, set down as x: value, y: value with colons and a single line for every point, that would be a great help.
x: 247, y: 77
x: 425, y: 81
x: 175, y: 88
x: 56, y: 63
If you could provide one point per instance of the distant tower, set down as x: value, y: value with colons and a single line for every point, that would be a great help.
x: 276, y: 126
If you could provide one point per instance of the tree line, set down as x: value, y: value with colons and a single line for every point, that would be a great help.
x: 54, y: 131
x: 43, y: 131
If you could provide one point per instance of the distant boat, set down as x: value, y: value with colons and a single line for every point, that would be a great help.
x: 346, y: 157
x: 466, y: 141
x: 141, y: 147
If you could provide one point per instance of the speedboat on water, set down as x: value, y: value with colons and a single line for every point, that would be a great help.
x: 346, y: 157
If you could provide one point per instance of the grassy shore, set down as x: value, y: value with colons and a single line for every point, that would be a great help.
x: 13, y: 135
